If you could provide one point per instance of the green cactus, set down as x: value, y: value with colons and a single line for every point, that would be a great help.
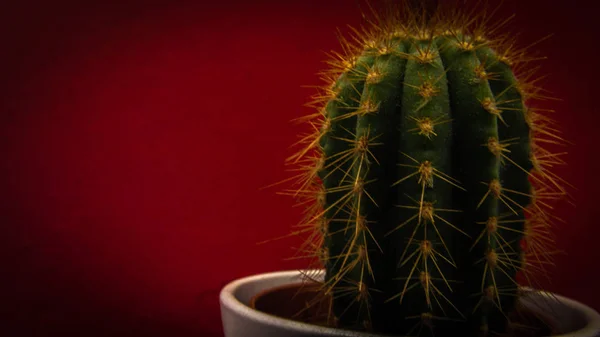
x: 427, y: 178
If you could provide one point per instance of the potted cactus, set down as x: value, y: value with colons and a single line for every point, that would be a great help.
x: 428, y: 187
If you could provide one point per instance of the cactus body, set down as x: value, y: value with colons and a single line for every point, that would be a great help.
x: 423, y: 180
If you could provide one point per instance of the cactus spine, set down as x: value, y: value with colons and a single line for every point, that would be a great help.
x: 422, y: 170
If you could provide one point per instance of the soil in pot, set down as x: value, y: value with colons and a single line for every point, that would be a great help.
x: 297, y: 302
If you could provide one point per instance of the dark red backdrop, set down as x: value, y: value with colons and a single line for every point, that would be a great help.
x: 135, y: 137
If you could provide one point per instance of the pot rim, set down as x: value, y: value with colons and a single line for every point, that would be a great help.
x: 228, y: 299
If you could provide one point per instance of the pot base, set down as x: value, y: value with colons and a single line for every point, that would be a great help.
x: 244, y: 314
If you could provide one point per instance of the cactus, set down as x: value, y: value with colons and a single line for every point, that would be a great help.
x: 426, y: 177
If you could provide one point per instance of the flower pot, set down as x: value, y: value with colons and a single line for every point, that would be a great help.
x: 266, y: 304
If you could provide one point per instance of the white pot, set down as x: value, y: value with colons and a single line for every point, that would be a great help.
x: 240, y: 320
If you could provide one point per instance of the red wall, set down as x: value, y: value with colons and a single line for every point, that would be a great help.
x: 135, y: 136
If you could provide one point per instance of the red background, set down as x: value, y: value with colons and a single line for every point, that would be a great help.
x: 135, y: 136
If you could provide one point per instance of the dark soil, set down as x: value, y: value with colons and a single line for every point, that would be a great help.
x: 302, y: 302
